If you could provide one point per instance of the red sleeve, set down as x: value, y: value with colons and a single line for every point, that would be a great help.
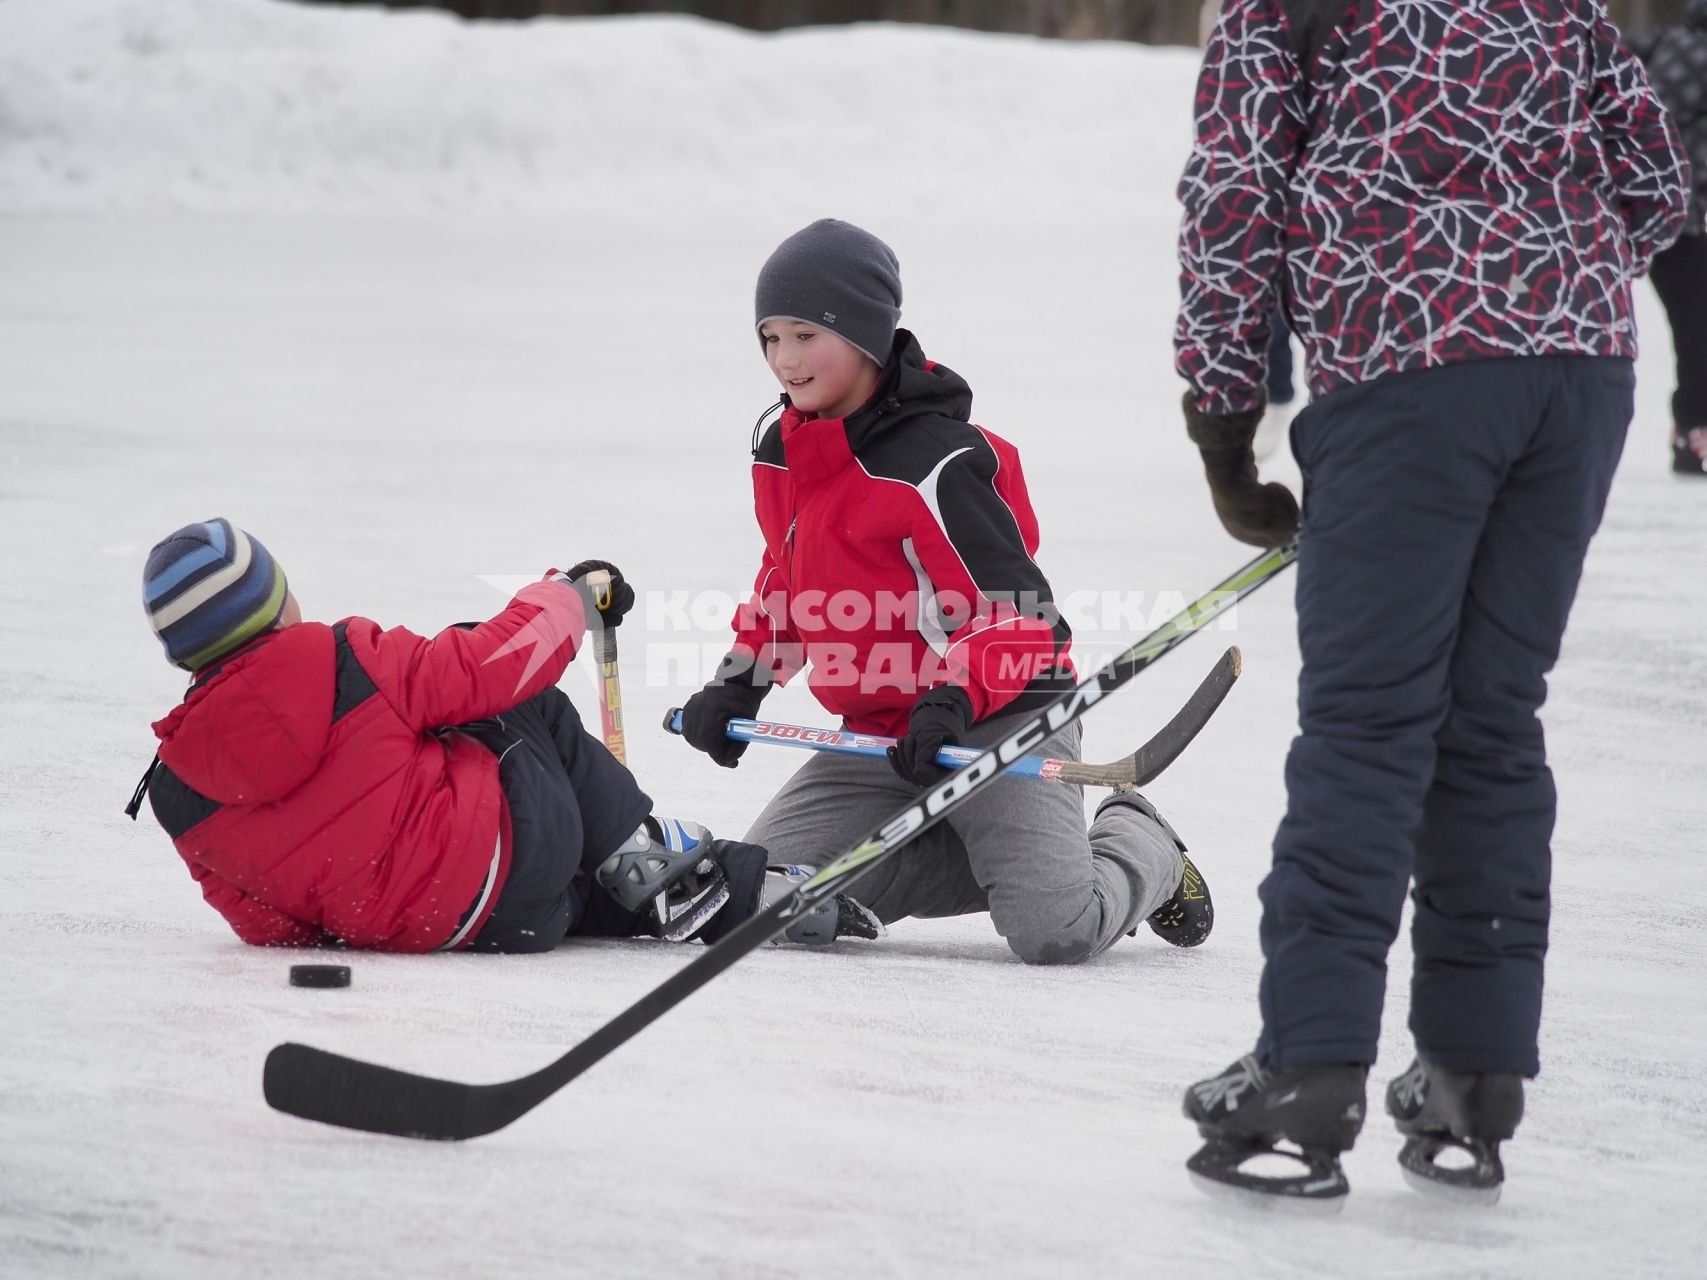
x: 763, y: 631
x: 251, y: 919
x: 974, y: 538
x: 468, y: 674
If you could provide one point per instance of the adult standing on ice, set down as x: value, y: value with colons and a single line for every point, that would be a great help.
x: 1457, y: 195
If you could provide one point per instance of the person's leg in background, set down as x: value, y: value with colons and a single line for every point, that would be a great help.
x: 1280, y: 385
x: 1680, y: 278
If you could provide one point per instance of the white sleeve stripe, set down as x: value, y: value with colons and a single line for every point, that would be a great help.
x: 763, y: 583
x: 927, y: 622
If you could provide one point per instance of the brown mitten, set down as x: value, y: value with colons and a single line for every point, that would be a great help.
x: 1264, y: 515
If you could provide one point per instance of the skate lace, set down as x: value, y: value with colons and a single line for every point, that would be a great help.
x: 1410, y: 1089
x: 1225, y: 1090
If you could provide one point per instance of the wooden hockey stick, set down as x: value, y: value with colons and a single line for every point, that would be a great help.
x: 610, y: 680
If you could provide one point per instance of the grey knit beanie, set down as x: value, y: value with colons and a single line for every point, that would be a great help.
x: 833, y: 274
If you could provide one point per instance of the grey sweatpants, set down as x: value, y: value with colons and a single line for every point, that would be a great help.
x: 1018, y: 850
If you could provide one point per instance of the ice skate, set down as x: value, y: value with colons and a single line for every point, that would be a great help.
x: 666, y: 873
x: 1247, y: 1112
x: 840, y: 917
x: 1442, y: 1111
x: 1689, y: 451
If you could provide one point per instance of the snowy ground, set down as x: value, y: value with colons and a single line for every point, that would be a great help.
x: 236, y: 278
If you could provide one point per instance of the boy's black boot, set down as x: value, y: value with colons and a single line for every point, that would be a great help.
x: 1471, y: 1112
x: 1248, y: 1110
x: 1185, y: 919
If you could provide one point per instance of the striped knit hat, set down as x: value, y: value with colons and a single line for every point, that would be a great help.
x: 209, y: 588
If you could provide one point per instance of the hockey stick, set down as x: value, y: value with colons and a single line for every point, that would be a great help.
x: 610, y: 681
x: 332, y: 1089
x: 1120, y: 774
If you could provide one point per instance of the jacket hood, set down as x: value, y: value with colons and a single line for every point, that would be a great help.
x: 256, y: 726
x: 910, y: 387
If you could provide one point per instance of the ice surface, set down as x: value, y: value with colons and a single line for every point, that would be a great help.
x: 429, y: 307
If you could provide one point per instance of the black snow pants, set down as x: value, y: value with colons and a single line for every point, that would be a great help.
x: 571, y: 805
x: 1680, y: 278
x: 1447, y: 513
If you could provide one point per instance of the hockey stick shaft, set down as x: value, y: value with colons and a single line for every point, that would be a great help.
x: 610, y: 678
x: 333, y: 1089
x: 779, y: 733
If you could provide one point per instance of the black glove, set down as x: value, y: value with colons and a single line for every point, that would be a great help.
x: 743, y: 866
x: 731, y: 694
x: 621, y: 598
x: 1264, y: 515
x: 940, y: 717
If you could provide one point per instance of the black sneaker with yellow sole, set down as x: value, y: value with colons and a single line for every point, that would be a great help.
x: 1186, y: 918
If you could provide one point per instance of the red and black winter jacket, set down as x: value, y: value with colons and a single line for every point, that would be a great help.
x: 898, y: 556
x: 1448, y: 180
x: 307, y: 784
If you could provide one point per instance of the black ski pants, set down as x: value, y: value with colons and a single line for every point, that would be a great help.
x: 1680, y: 278
x: 1447, y: 513
x: 571, y: 804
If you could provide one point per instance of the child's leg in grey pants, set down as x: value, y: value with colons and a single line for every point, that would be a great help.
x: 1018, y: 850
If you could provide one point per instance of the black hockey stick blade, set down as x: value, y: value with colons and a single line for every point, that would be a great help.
x: 332, y: 1089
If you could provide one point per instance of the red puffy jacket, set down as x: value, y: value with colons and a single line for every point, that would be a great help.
x: 898, y: 556
x: 310, y: 785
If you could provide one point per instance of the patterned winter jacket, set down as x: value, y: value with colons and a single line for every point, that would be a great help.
x: 1453, y: 180
x: 1677, y: 64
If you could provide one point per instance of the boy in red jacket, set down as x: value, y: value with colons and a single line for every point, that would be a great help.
x: 898, y: 563
x: 349, y: 784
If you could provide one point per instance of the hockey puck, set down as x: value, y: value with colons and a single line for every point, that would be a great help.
x: 320, y: 975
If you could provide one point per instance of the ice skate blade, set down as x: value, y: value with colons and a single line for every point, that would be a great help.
x: 1321, y: 1187
x: 1267, y: 1201
x: 1478, y: 1183
x: 693, y: 917
x: 1452, y: 1193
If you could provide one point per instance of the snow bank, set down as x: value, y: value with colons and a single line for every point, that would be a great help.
x: 255, y: 105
